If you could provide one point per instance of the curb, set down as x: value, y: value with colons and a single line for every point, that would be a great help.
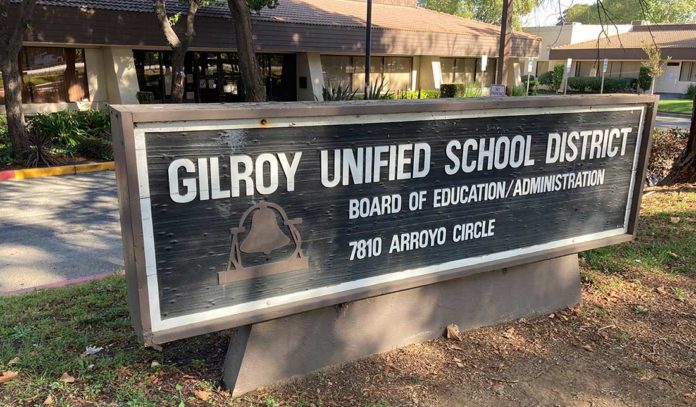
x: 59, y: 284
x: 55, y: 171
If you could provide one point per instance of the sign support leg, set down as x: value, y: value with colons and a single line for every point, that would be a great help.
x: 235, y: 356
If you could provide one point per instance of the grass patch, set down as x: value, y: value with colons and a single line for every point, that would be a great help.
x: 676, y: 106
x: 666, y: 240
x: 45, y: 333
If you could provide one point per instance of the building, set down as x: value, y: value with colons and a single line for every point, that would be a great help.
x: 559, y: 35
x: 625, y: 54
x: 86, y: 53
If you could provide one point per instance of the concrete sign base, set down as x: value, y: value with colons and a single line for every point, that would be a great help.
x: 276, y: 350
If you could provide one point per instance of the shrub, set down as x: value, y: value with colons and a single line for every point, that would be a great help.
x: 461, y: 90
x: 448, y: 90
x: 584, y: 84
x: 644, y: 78
x: 417, y: 94
x: 68, y: 130
x: 546, y: 78
x: 613, y: 85
x: 340, y: 92
x: 518, y: 90
x: 690, y: 93
x: 667, y: 145
x: 379, y: 90
x: 5, y: 146
x: 557, y: 76
x: 533, y: 84
x: 40, y: 149
x: 98, y: 148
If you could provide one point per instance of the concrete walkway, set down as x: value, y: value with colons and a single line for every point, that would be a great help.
x: 56, y: 229
x: 668, y: 121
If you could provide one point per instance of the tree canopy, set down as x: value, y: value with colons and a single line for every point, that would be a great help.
x: 488, y: 11
x: 625, y: 11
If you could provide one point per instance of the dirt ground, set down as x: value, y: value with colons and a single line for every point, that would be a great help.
x: 631, y: 343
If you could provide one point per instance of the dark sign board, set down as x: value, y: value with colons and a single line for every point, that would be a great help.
x: 234, y: 215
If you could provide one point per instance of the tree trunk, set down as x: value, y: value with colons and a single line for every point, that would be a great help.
x: 248, y: 65
x: 12, y: 84
x: 178, y: 74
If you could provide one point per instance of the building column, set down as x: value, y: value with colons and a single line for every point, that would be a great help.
x: 121, y: 77
x: 430, y: 73
x: 96, y: 78
x: 309, y: 73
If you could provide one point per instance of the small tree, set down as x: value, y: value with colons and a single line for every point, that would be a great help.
x: 11, y: 39
x: 654, y: 63
x: 179, y: 47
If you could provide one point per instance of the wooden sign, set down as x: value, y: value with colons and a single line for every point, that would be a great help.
x: 237, y: 214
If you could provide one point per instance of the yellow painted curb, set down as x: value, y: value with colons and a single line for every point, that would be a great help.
x: 63, y: 170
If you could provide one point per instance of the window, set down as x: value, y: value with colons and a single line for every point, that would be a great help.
x: 586, y: 68
x: 52, y: 75
x: 466, y: 70
x: 688, y: 72
x: 349, y: 71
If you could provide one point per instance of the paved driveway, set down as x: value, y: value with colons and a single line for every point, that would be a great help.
x: 58, y: 228
x: 671, y: 121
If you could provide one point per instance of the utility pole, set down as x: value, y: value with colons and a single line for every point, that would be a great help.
x: 504, y: 48
x: 368, y: 48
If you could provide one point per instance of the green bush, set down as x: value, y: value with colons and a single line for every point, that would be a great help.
x: 460, y: 90
x: 5, y: 146
x: 613, y: 85
x: 585, y: 84
x: 69, y: 129
x: 518, y: 90
x: 533, y: 84
x: 546, y: 78
x: 690, y: 93
x: 644, y: 78
x: 417, y: 94
x: 557, y: 76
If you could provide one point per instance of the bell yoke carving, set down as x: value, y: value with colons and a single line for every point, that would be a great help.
x: 265, y: 236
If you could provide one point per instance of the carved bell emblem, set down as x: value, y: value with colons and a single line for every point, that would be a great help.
x: 265, y: 235
x: 268, y: 220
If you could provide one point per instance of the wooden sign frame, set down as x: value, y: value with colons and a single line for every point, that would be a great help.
x: 130, y: 122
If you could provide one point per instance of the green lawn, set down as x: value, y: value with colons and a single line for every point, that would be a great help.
x: 676, y: 106
x: 43, y: 335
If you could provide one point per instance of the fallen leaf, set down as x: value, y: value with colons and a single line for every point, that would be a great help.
x: 453, y: 332
x: 66, y: 378
x: 48, y: 401
x: 7, y: 376
x: 13, y: 361
x: 675, y: 255
x: 202, y: 395
x: 552, y: 316
x: 661, y: 290
x: 588, y: 348
x: 154, y: 364
x: 674, y: 219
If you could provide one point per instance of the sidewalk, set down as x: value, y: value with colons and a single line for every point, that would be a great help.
x: 671, y: 120
x: 56, y: 229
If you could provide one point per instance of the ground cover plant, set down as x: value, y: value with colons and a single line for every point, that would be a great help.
x: 676, y: 106
x: 61, y: 138
x: 631, y: 342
